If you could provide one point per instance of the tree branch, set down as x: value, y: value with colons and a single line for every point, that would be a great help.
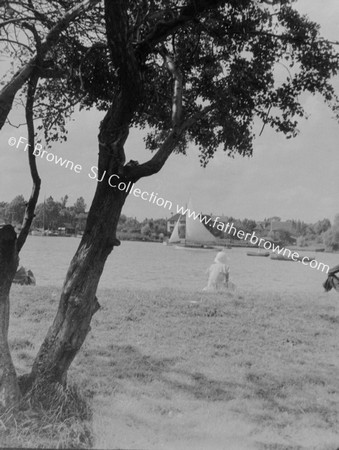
x: 154, y: 165
x: 122, y: 52
x: 114, y: 128
x: 36, y: 36
x: 331, y: 42
x: 178, y: 89
x: 164, y: 29
x: 15, y: 126
x: 21, y: 44
x: 30, y: 207
x: 8, y: 93
x: 10, y: 21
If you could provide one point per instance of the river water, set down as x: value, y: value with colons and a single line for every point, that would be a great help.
x: 152, y: 265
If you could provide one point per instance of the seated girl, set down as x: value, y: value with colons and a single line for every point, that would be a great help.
x: 218, y: 273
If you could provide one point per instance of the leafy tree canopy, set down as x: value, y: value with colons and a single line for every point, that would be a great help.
x: 16, y: 209
x: 226, y: 53
x: 79, y: 205
x: 331, y: 235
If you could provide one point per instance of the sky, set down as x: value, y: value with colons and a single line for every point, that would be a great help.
x: 290, y: 178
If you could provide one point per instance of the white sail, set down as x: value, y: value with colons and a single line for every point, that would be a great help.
x: 175, y: 233
x: 196, y: 231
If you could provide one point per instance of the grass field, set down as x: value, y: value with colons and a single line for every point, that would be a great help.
x: 171, y: 370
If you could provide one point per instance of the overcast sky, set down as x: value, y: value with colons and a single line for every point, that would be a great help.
x: 295, y: 178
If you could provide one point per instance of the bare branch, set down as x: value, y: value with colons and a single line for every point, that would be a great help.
x: 30, y: 207
x: 22, y: 76
x: 15, y: 126
x: 331, y: 42
x: 10, y: 21
x: 265, y: 120
x: 35, y: 33
x: 21, y: 44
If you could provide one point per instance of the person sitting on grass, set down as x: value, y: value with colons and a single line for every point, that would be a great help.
x: 218, y: 273
x: 332, y: 279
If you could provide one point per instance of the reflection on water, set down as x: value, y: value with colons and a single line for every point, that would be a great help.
x: 151, y: 265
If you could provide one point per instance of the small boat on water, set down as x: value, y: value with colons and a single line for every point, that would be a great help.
x: 258, y: 253
x: 195, y: 247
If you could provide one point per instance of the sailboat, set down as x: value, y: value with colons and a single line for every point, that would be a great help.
x: 175, y: 238
x: 196, y: 235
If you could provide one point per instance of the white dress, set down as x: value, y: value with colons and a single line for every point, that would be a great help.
x: 218, y: 273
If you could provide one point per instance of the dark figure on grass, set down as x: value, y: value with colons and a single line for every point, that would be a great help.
x: 332, y: 281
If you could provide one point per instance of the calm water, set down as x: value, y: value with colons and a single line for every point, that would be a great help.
x: 151, y: 265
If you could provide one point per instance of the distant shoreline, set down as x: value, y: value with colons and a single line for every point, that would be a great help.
x: 219, y: 243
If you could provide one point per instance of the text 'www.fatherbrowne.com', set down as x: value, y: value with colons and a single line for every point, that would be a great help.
x: 231, y: 230
x: 115, y: 182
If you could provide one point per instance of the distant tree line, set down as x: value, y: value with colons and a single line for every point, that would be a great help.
x: 331, y: 235
x: 49, y: 215
x: 52, y: 214
x: 148, y: 229
x: 246, y: 225
x: 303, y: 234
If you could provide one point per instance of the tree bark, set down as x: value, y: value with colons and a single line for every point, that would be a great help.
x: 9, y: 389
x: 31, y: 204
x: 78, y: 302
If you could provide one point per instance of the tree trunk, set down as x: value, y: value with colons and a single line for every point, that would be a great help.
x: 78, y: 302
x: 9, y: 388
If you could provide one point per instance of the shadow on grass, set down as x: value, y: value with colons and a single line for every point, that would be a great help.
x: 127, y: 362
x: 331, y: 319
x: 269, y: 393
x: 277, y: 394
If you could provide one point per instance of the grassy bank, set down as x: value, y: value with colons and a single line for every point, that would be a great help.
x: 173, y: 370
